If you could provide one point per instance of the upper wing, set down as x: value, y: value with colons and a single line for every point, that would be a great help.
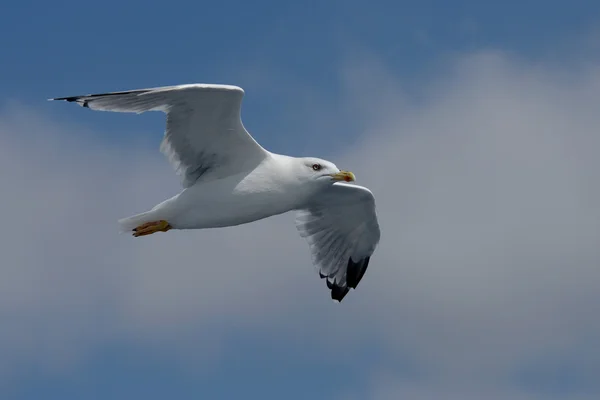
x: 204, y: 134
x: 342, y: 231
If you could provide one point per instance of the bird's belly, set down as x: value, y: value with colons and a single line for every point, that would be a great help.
x: 201, y: 216
x: 200, y: 207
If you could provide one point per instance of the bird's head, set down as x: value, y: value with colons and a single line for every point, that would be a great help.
x: 322, y: 171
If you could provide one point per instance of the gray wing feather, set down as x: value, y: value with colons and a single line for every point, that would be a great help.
x: 204, y: 135
x: 342, y: 232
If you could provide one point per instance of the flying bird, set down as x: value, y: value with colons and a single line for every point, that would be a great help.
x: 229, y: 179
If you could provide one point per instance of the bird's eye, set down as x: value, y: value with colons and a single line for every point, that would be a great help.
x: 316, y: 167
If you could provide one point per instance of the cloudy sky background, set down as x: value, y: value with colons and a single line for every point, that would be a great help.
x: 475, y: 126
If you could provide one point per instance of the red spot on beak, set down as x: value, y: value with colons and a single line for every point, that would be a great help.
x: 347, y: 179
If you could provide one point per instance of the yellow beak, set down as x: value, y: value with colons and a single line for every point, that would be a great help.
x: 344, y: 176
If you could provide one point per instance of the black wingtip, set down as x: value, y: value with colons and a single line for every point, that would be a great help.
x: 72, y: 99
x: 355, y: 271
x: 84, y: 102
x: 354, y: 274
x: 337, y: 292
x: 69, y: 99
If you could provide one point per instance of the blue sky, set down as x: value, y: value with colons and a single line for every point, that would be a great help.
x: 104, y: 318
x: 71, y: 47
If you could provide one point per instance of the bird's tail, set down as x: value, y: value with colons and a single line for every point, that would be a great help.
x: 127, y: 225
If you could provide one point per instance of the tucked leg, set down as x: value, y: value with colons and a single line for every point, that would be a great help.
x: 151, y: 227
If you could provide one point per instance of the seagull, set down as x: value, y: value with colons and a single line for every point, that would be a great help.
x: 229, y: 179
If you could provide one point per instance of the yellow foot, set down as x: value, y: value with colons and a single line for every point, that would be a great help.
x: 151, y: 227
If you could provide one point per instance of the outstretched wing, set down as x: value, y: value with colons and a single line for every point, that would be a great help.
x: 342, y: 231
x: 204, y: 137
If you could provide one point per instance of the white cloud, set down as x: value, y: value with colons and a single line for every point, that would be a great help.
x: 489, y: 246
x: 488, y: 198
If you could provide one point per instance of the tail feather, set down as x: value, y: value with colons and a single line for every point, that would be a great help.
x: 126, y: 225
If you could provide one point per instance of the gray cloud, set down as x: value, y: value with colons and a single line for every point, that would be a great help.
x: 488, y: 264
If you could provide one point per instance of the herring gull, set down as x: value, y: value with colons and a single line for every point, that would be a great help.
x: 229, y: 179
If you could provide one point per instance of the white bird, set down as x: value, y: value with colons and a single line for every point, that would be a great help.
x: 229, y: 179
